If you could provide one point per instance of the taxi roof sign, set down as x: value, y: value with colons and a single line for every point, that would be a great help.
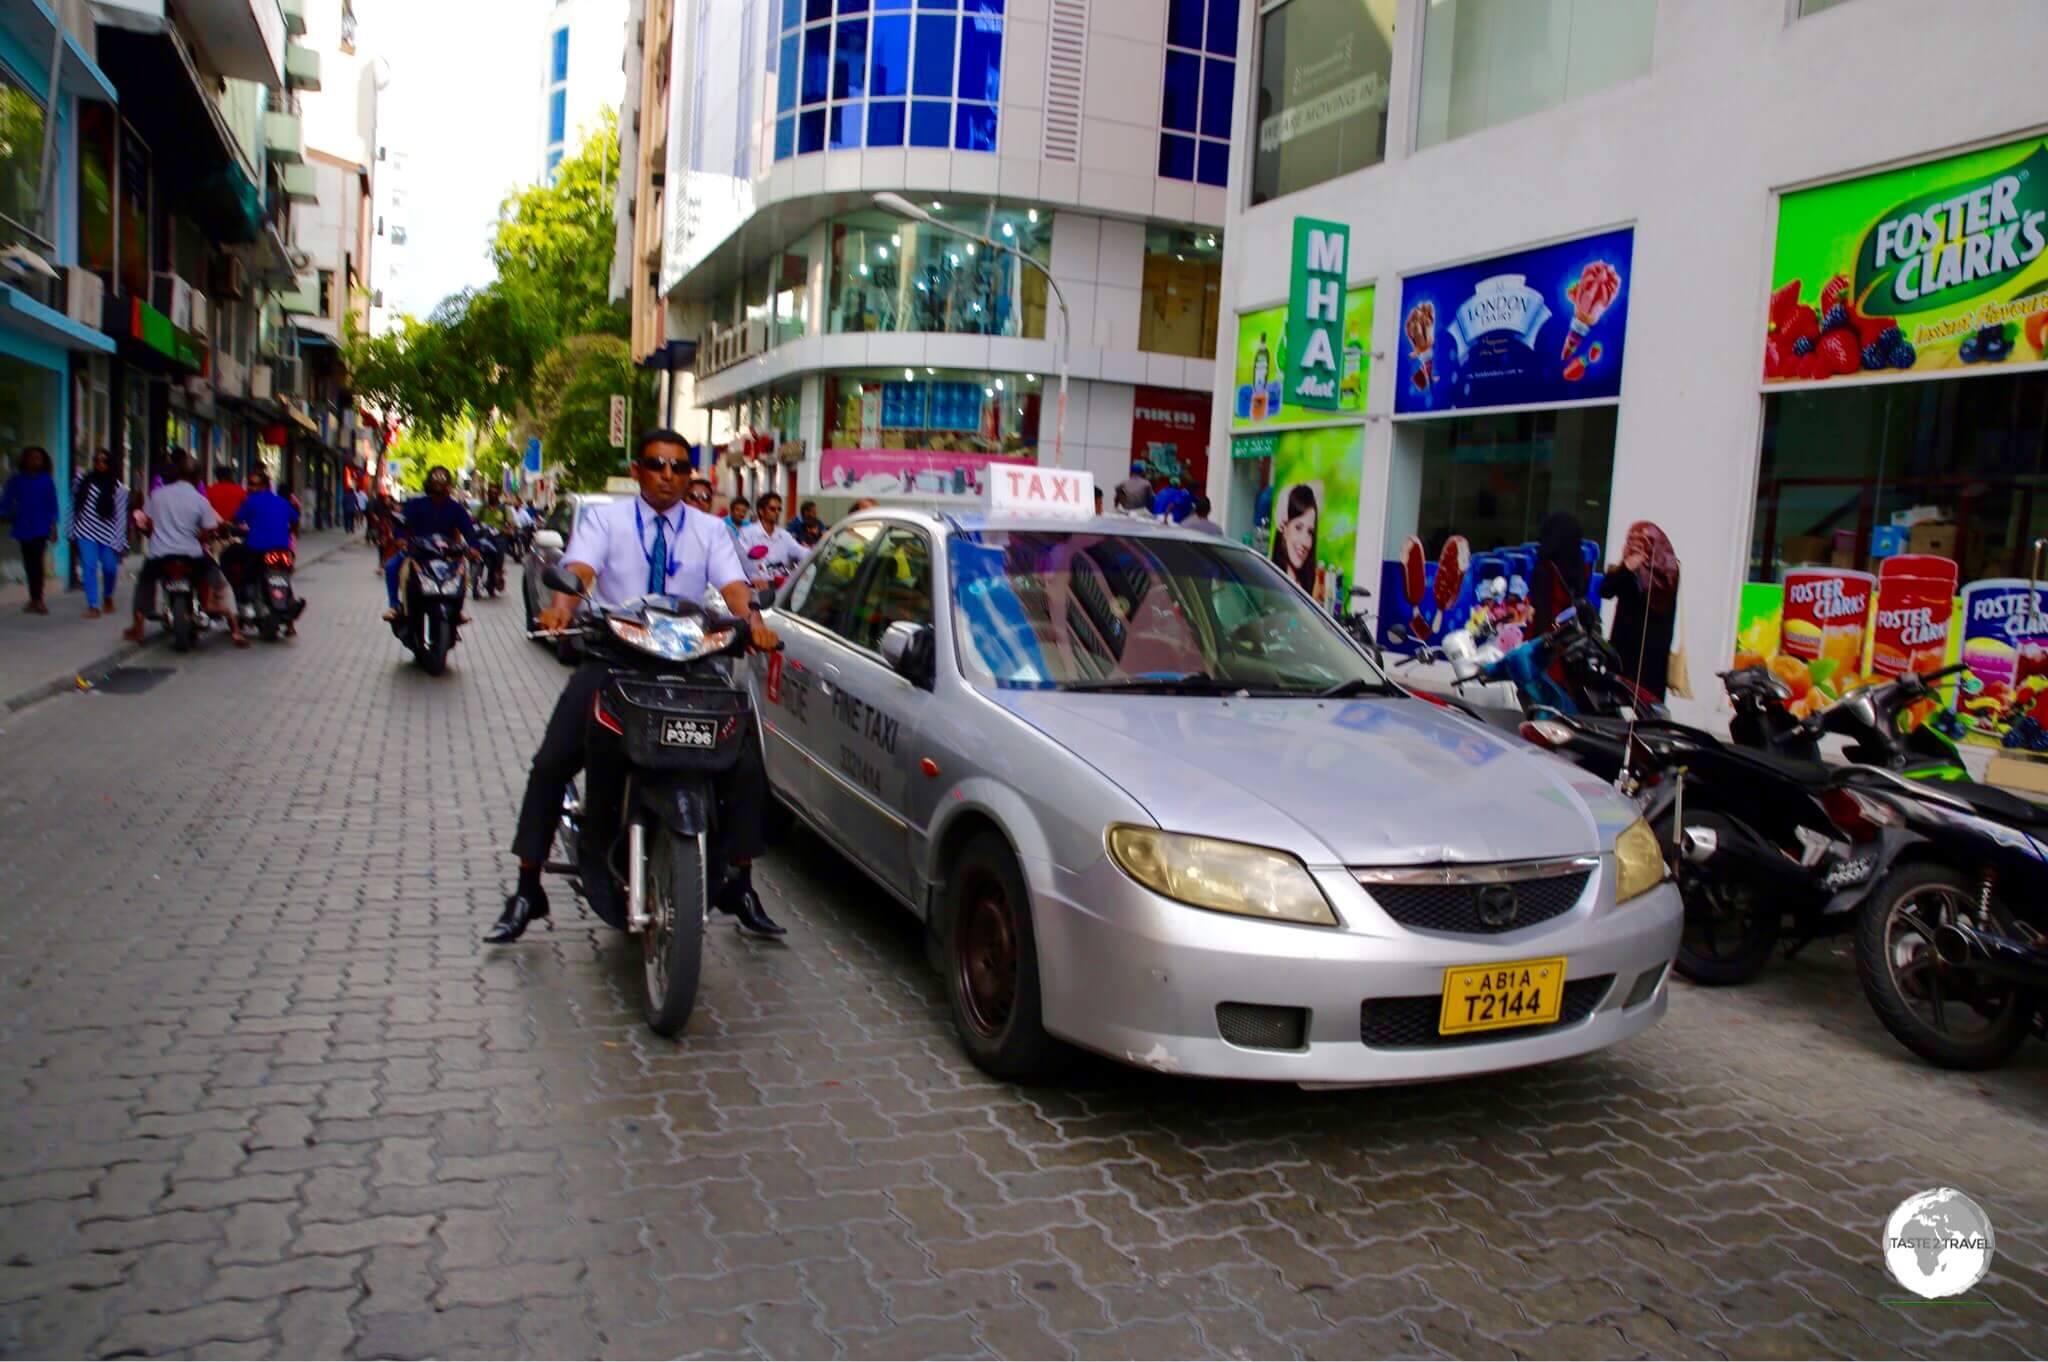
x: 1025, y: 490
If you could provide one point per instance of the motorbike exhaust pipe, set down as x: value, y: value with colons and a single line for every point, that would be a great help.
x: 637, y: 915
x: 2001, y: 957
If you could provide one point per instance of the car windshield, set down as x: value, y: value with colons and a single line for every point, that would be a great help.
x: 1083, y: 610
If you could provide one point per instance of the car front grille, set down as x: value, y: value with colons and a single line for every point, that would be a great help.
x: 1463, y: 909
x: 1410, y: 1023
x: 1256, y: 1026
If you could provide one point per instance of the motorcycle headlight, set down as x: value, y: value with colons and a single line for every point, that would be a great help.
x: 1224, y: 877
x: 1639, y: 862
x: 674, y: 638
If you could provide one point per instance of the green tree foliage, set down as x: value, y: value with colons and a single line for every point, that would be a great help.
x: 478, y: 355
x: 573, y: 408
x: 415, y: 453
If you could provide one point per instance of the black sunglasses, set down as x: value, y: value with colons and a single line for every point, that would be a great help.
x: 665, y: 465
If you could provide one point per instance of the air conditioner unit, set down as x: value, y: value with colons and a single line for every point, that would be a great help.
x: 262, y: 385
x: 202, y: 316
x: 290, y: 376
x: 85, y: 297
x: 230, y: 278
x: 172, y: 296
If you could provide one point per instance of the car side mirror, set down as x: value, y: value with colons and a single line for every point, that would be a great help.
x: 907, y: 648
x: 550, y: 540
x: 562, y: 580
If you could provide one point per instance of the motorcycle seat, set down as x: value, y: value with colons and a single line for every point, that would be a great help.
x: 1993, y: 802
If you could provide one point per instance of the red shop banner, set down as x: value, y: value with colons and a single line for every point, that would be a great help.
x: 1170, y: 433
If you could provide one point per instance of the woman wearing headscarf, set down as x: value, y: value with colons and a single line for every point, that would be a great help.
x: 99, y: 532
x: 1644, y: 590
x: 1560, y: 578
x: 30, y: 501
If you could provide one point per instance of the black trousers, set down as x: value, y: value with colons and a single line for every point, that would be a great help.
x: 571, y: 737
x: 32, y: 564
x: 206, y: 577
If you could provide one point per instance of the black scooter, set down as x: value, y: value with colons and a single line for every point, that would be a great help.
x: 436, y: 580
x: 490, y: 580
x: 673, y: 705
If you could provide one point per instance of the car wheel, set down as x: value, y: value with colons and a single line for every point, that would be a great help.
x: 992, y: 965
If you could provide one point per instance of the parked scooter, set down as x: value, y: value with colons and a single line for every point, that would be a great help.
x: 680, y: 717
x: 436, y: 580
x: 1873, y: 718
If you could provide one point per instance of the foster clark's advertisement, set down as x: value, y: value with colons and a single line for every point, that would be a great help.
x: 1539, y: 326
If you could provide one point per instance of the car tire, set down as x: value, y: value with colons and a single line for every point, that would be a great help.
x: 991, y: 957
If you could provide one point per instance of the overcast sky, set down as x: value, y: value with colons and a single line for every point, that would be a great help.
x: 463, y: 104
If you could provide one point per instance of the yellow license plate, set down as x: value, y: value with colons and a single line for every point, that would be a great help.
x: 1492, y: 997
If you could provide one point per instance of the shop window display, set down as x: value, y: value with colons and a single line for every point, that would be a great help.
x: 1323, y: 87
x: 1181, y: 292
x: 924, y: 432
x: 889, y: 274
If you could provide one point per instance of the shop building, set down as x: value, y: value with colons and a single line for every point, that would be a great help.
x: 843, y: 350
x: 1691, y: 261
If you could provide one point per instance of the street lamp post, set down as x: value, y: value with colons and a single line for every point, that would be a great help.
x: 903, y: 207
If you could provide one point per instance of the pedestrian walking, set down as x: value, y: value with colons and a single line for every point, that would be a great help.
x: 1173, y: 501
x: 349, y: 507
x: 99, y: 532
x: 1135, y: 492
x: 30, y: 501
x: 1199, y: 518
x: 1644, y: 589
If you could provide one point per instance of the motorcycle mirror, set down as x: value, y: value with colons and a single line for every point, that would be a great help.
x: 562, y: 580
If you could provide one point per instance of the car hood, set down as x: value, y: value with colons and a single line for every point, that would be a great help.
x: 1336, y: 782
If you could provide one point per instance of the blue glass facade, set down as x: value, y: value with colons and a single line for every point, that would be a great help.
x: 887, y: 73
x: 1196, y: 106
x: 558, y: 64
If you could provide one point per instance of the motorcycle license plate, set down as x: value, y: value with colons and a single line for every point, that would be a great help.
x: 1494, y: 997
x: 689, y: 733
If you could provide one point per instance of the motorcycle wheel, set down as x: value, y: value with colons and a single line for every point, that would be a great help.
x: 184, y: 629
x: 1952, y: 1017
x: 672, y: 942
x: 1730, y: 927
x: 431, y: 652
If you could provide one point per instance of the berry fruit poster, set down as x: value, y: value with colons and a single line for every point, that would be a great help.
x: 1941, y: 267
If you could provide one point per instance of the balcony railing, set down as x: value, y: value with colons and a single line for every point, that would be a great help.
x: 284, y: 137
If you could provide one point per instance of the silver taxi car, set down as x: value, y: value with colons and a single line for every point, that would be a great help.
x: 1151, y: 802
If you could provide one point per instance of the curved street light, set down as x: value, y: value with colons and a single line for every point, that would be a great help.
x: 903, y: 207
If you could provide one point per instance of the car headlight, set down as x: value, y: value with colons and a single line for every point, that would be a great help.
x: 1225, y: 877
x: 675, y: 638
x: 1639, y: 862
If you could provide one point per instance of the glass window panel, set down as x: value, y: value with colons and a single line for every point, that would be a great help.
x: 96, y: 187
x: 558, y: 115
x: 559, y: 69
x: 1486, y: 62
x: 885, y: 123
x: 934, y: 63
x: 792, y: 13
x: 1184, y: 23
x: 785, y: 137
x: 850, y: 60
x: 951, y: 412
x: 983, y: 6
x: 1222, y: 32
x: 1180, y: 104
x: 981, y: 59
x: 938, y: 4
x: 817, y: 80
x: 1176, y: 157
x: 890, y: 275
x: 892, y: 4
x: 899, y: 587
x: 1213, y: 163
x: 931, y: 123
x: 786, y: 76
x: 1322, y: 92
x: 810, y: 131
x: 1493, y: 478
x: 818, y: 9
x: 974, y: 128
x: 1180, y: 291
x: 853, y: 6
x: 845, y: 130
x: 889, y: 56
x: 1217, y: 81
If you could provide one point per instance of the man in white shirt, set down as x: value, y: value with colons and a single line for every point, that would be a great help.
x: 780, y: 551
x: 651, y: 544
x: 180, y: 519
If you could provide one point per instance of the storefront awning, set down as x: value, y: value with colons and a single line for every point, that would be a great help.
x: 76, y: 74
x: 46, y: 324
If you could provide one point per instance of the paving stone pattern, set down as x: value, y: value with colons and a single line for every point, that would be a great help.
x: 261, y: 1092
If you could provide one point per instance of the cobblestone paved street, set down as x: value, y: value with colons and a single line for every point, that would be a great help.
x: 262, y: 1092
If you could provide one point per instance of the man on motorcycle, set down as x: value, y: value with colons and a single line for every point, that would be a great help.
x: 654, y: 543
x: 180, y: 519
x: 494, y: 519
x: 438, y: 512
x: 268, y: 520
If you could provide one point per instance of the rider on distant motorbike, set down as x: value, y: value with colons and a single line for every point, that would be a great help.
x: 654, y: 543
x: 436, y: 513
x: 269, y: 521
x: 181, y: 520
x: 494, y: 521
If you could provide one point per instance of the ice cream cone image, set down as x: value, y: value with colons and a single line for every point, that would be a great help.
x: 1599, y: 285
x: 1420, y: 328
x: 1451, y: 566
x: 1415, y: 584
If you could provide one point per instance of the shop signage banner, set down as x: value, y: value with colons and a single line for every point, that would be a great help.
x: 1315, y: 509
x: 921, y: 473
x: 1932, y: 268
x: 1315, y: 314
x: 1260, y: 396
x: 1170, y: 434
x: 1543, y: 325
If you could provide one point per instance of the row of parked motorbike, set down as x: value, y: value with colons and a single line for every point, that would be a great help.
x: 438, y: 576
x: 1942, y: 880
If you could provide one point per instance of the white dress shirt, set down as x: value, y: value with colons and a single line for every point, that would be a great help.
x: 784, y: 552
x: 178, y: 512
x: 617, y: 541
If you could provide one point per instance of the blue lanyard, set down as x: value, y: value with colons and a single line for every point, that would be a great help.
x: 647, y: 549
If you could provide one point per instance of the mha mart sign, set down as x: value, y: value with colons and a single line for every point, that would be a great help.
x: 1315, y: 314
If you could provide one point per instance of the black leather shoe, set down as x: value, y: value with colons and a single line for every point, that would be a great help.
x: 745, y: 905
x: 520, y: 913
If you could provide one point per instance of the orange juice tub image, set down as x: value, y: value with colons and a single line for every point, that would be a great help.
x: 1826, y: 611
x: 1915, y: 598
